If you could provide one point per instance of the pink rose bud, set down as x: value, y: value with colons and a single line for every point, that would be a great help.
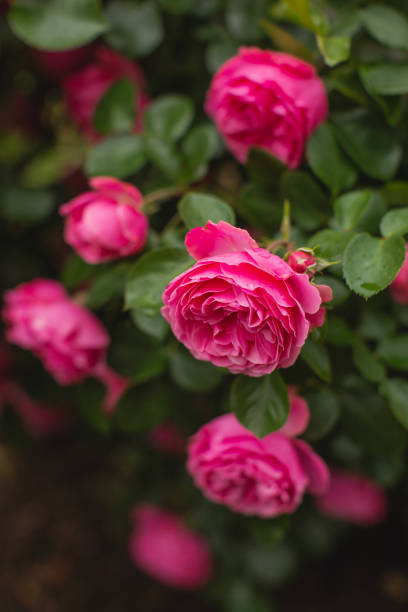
x: 168, y: 438
x: 399, y: 286
x: 300, y: 261
x: 264, y: 477
x: 85, y: 88
x: 70, y: 341
x: 269, y: 100
x: 106, y: 223
x: 163, y: 547
x: 353, y: 498
x: 239, y: 306
x: 57, y: 64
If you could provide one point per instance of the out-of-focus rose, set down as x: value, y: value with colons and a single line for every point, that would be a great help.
x: 353, y: 498
x: 106, y: 223
x: 57, y: 64
x: 168, y: 438
x: 263, y: 477
x: 240, y: 306
x: 163, y: 547
x: 300, y: 261
x: 269, y: 100
x: 70, y: 341
x: 85, y: 88
x: 399, y: 286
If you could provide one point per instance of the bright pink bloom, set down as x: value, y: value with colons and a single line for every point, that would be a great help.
x: 106, y: 223
x: 399, y: 286
x: 70, y: 341
x: 163, y: 547
x: 267, y: 99
x: 239, y: 306
x: 168, y: 438
x: 300, y: 261
x: 353, y: 498
x: 263, y: 477
x: 299, y: 415
x: 85, y: 88
x: 57, y: 64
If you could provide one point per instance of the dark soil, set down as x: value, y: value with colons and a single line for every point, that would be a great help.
x: 61, y: 549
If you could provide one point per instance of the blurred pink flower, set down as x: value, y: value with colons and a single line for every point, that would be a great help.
x: 57, y: 64
x: 399, y: 286
x: 168, y: 438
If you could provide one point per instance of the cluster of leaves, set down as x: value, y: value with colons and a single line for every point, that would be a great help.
x: 348, y: 201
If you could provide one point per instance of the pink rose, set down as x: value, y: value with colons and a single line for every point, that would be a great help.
x: 106, y: 223
x: 69, y: 339
x: 265, y: 477
x: 57, y: 64
x: 266, y: 99
x: 84, y: 89
x: 168, y: 438
x: 353, y: 498
x: 163, y: 547
x: 239, y: 306
x: 300, y: 261
x: 399, y: 286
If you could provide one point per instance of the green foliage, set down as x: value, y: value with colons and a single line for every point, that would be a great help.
x: 116, y: 109
x: 118, y: 156
x: 134, y: 29
x: 198, y: 208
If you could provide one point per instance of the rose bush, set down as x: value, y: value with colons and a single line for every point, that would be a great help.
x: 235, y: 275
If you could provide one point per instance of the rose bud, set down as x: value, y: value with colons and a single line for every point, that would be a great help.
x: 106, y: 223
x: 240, y: 306
x: 69, y: 340
x: 353, y: 498
x: 84, y: 89
x: 163, y: 547
x: 262, y: 477
x: 399, y: 286
x: 300, y: 261
x: 269, y: 100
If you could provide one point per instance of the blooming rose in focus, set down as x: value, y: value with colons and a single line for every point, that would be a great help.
x: 399, y: 286
x: 106, y: 223
x: 163, y: 547
x: 240, y: 306
x: 353, y: 498
x: 85, y: 88
x: 269, y: 100
x: 263, y: 477
x: 69, y: 340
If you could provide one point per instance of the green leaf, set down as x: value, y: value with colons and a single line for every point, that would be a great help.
x: 375, y: 324
x: 191, y: 374
x: 260, y: 209
x: 107, y: 285
x: 56, y: 25
x: 199, y: 146
x: 335, y: 49
x: 118, y: 156
x: 142, y: 409
x: 219, y: 52
x: 330, y: 244
x: 367, y: 363
x: 396, y: 392
x: 260, y: 404
x: 76, y: 271
x: 115, y: 111
x: 387, y: 25
x: 327, y: 160
x: 169, y: 117
x: 317, y: 358
x: 197, y: 208
x: 163, y: 155
x: 243, y: 18
x: 155, y: 325
x: 395, y: 222
x: 394, y: 351
x: 396, y: 193
x: 340, y: 291
x: 135, y: 29
x: 371, y: 145
x: 386, y: 79
x: 324, y: 413
x: 360, y: 210
x: 150, y: 275
x: 264, y: 169
x: 308, y: 204
x: 26, y: 205
x: 371, y: 264
x: 339, y: 333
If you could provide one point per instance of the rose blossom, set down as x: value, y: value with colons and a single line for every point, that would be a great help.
x: 69, y: 339
x: 85, y: 88
x: 240, y: 306
x: 399, y: 286
x: 106, y: 223
x: 263, y: 477
x: 266, y: 99
x: 353, y: 498
x: 163, y: 547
